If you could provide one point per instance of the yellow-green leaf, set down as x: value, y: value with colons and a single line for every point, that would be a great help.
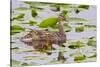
x: 77, y: 20
x: 50, y: 22
x: 34, y: 13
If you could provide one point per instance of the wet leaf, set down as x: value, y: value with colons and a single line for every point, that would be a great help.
x: 79, y: 58
x: 31, y: 23
x: 15, y: 63
x: 77, y: 20
x: 84, y: 6
x: 77, y: 11
x: 92, y: 27
x: 79, y: 29
x: 50, y: 22
x: 22, y: 9
x: 34, y: 13
x: 67, y: 27
x: 24, y: 64
x: 26, y: 2
x: 19, y: 17
x: 14, y: 48
x: 93, y: 56
x: 75, y: 45
x: 28, y: 51
x: 64, y: 13
x: 92, y: 42
x: 16, y: 29
x: 55, y: 7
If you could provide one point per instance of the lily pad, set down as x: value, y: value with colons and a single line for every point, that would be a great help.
x: 15, y: 63
x: 49, y: 22
x: 79, y: 29
x: 91, y: 27
x: 34, y: 13
x: 75, y: 45
x: 93, y: 56
x: 91, y: 42
x: 19, y: 17
x: 77, y: 20
x: 84, y: 6
x: 31, y: 23
x: 79, y: 58
x: 16, y: 29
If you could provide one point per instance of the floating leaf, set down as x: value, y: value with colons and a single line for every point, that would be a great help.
x: 25, y: 64
x: 93, y: 56
x: 79, y: 58
x: 15, y: 63
x: 20, y: 16
x: 79, y: 29
x: 93, y: 27
x: 77, y: 11
x: 16, y: 29
x: 22, y: 9
x: 28, y: 51
x: 55, y: 8
x: 26, y: 2
x: 50, y: 22
x: 77, y: 20
x: 81, y: 8
x: 84, y: 6
x: 75, y: 45
x: 91, y: 42
x: 34, y: 13
x: 14, y: 48
x: 67, y: 28
x: 64, y: 12
x: 31, y: 23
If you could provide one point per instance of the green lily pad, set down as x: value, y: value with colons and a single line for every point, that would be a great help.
x: 79, y: 58
x: 67, y: 27
x: 31, y: 23
x: 49, y: 22
x: 34, y: 13
x: 15, y: 63
x: 93, y: 56
x: 91, y: 27
x: 25, y: 64
x: 19, y: 17
x: 14, y: 48
x: 91, y: 41
x: 75, y: 45
x: 16, y: 29
x: 22, y: 9
x: 77, y: 20
x: 84, y: 6
x: 79, y: 29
